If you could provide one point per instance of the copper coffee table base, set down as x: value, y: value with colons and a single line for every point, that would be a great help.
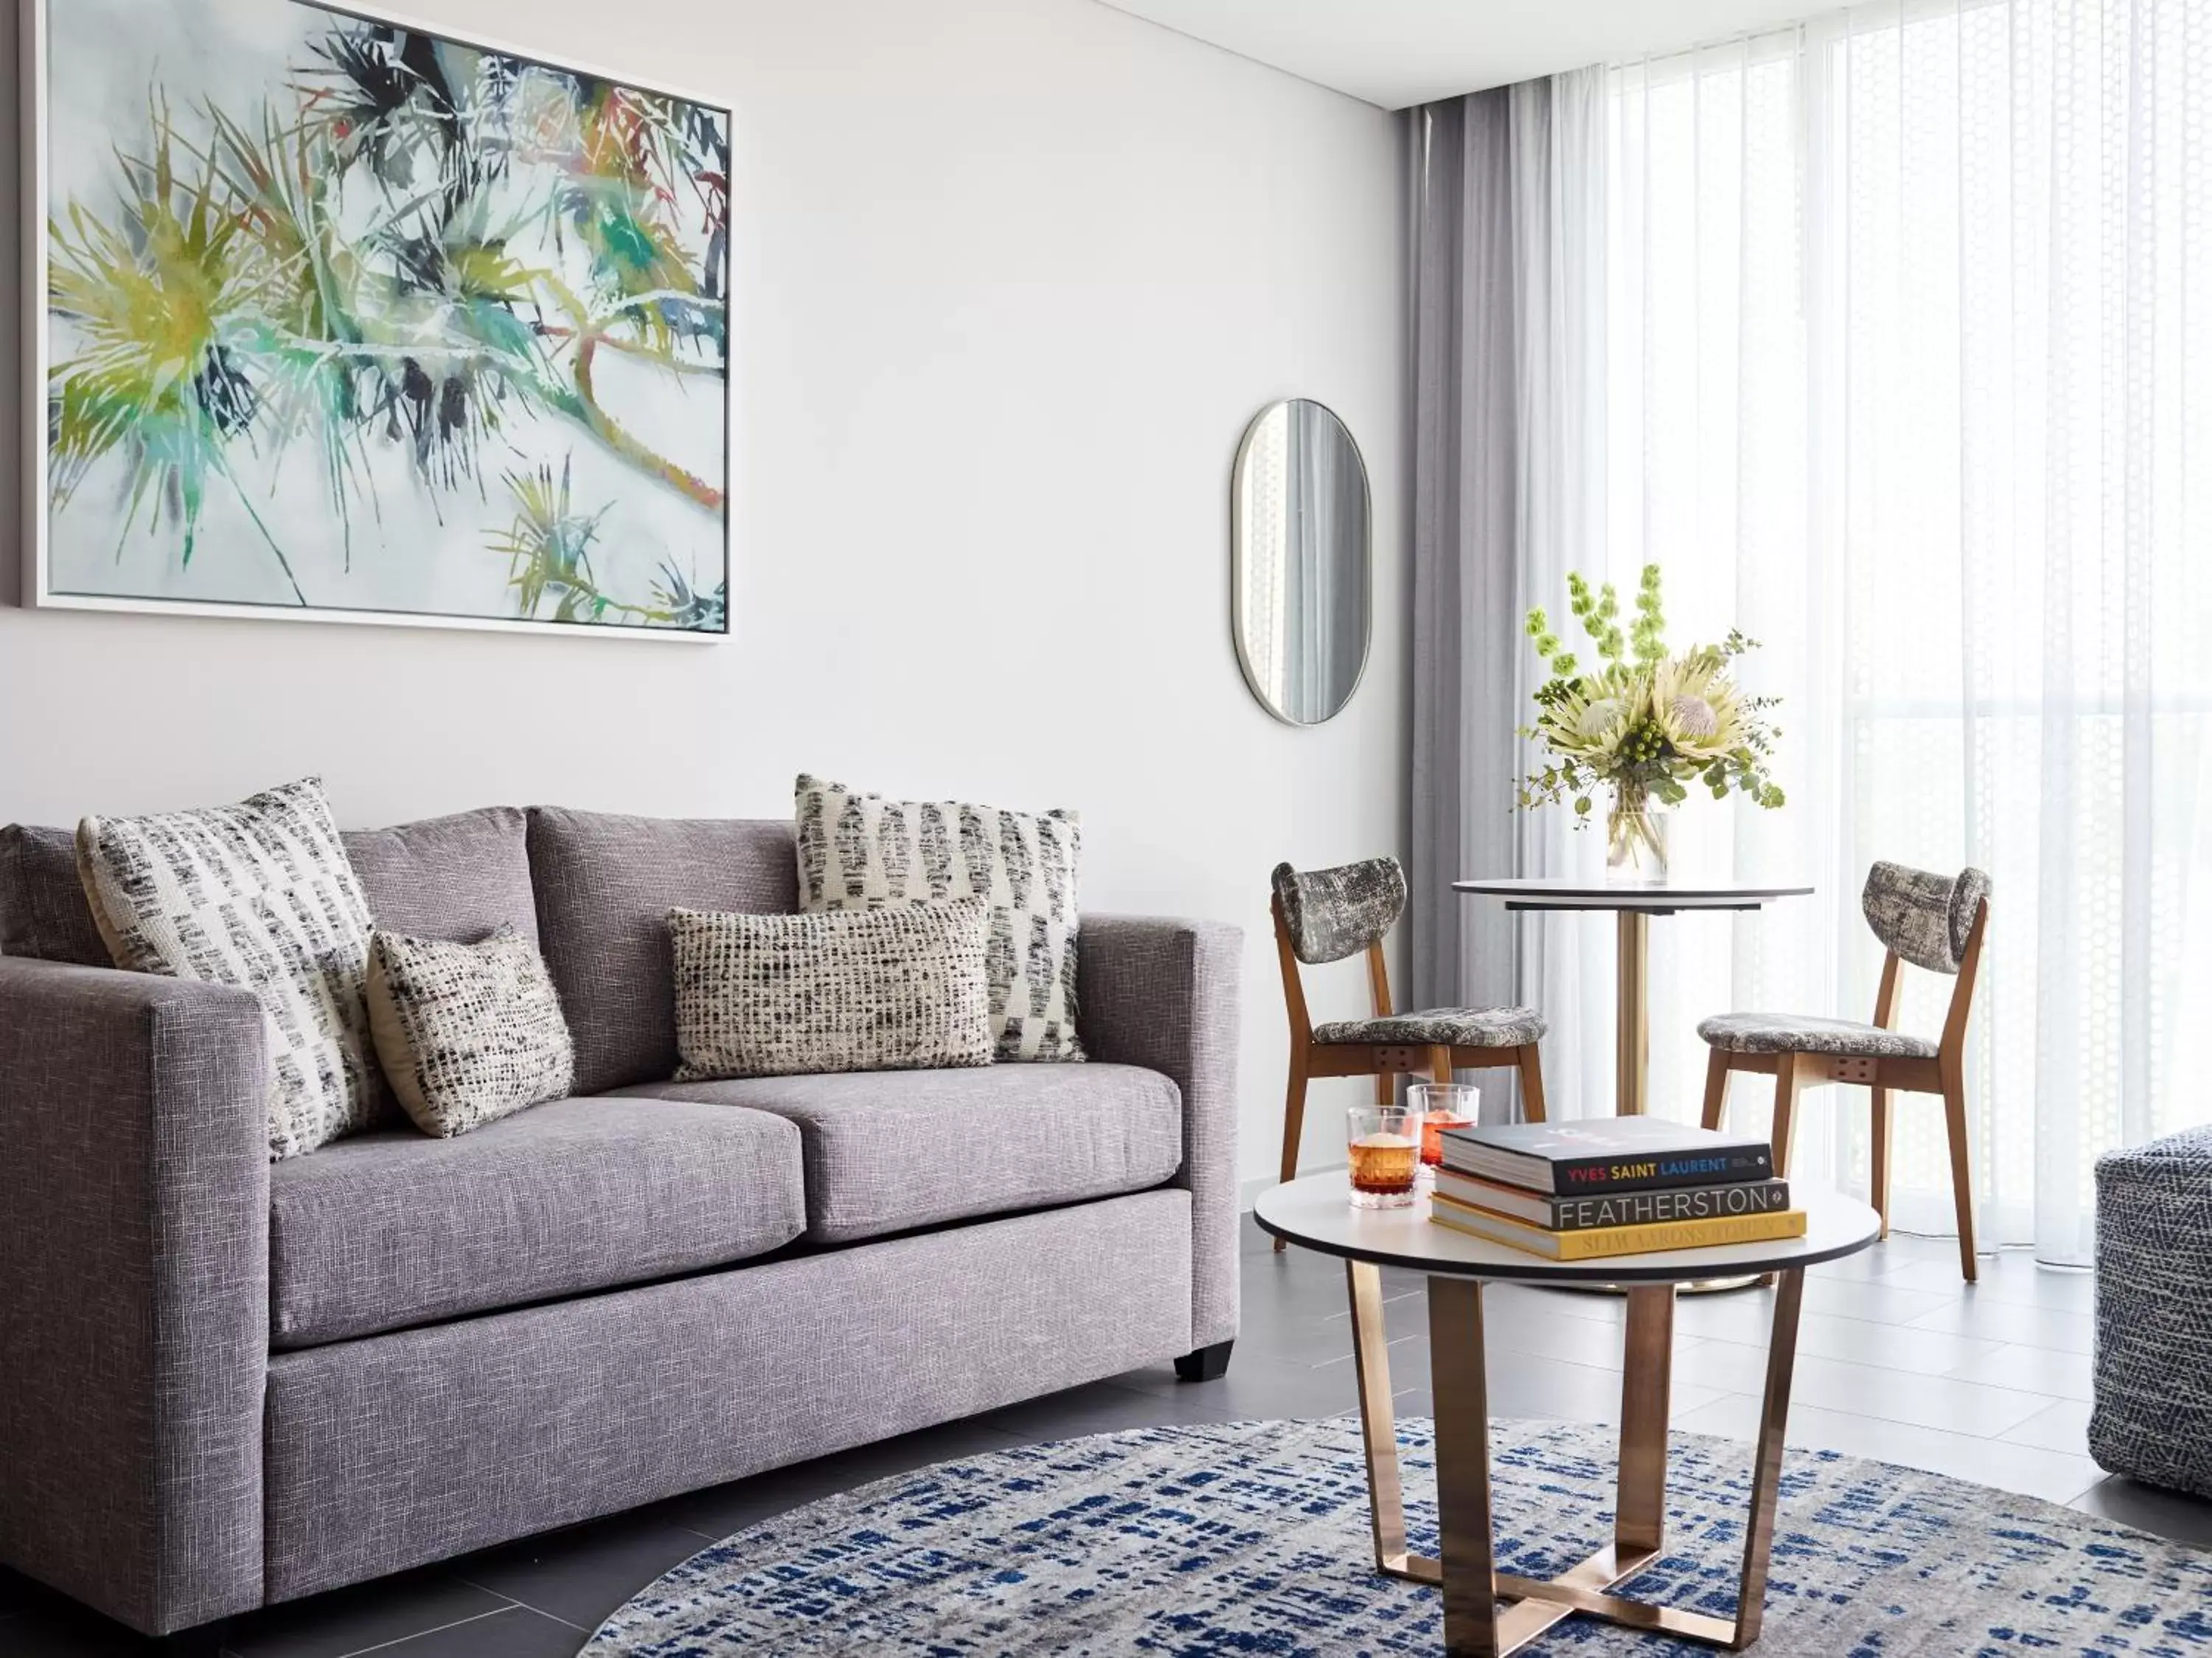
x: 1479, y: 1621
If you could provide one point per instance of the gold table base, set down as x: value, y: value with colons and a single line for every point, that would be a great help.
x: 1477, y: 1622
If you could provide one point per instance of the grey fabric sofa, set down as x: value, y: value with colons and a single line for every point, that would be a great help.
x: 225, y: 1383
x: 2153, y: 1419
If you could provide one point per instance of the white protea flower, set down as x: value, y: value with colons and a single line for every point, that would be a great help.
x: 1693, y: 715
x: 1599, y: 717
x: 1697, y: 706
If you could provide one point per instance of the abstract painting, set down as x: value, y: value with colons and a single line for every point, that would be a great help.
x: 343, y: 319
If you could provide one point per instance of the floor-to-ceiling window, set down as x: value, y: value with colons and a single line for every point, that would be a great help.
x: 1908, y: 371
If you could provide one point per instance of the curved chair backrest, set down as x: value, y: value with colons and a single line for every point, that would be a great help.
x: 1925, y: 918
x: 1331, y: 914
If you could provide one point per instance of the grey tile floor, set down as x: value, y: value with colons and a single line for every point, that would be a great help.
x: 1898, y: 1360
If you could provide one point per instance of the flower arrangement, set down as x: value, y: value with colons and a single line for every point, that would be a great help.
x: 1643, y: 722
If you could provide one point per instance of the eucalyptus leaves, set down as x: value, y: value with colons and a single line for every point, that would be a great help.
x: 1643, y: 722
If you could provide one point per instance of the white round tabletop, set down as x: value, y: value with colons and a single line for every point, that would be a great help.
x: 1316, y: 1213
x: 1559, y: 893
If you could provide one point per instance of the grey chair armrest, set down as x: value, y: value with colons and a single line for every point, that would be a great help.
x: 134, y: 1289
x: 1166, y: 995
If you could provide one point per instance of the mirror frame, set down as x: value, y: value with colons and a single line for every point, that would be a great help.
x: 1238, y: 559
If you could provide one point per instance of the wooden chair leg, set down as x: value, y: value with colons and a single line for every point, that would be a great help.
x: 1717, y: 1081
x: 1294, y: 1123
x: 1962, y: 1171
x: 1883, y: 1117
x: 1785, y: 1106
x: 1440, y: 1065
x: 1532, y: 1084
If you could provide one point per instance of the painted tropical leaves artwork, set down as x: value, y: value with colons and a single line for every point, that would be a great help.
x: 342, y: 315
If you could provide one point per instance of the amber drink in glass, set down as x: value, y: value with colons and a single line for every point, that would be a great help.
x: 1383, y: 1145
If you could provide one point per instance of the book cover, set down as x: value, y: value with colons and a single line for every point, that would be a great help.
x: 1606, y: 1154
x: 1617, y: 1240
x: 1591, y: 1213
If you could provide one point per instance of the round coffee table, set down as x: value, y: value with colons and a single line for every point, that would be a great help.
x: 1314, y: 1214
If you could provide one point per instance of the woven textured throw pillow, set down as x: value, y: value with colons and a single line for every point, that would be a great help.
x: 780, y: 994
x: 467, y: 1033
x: 864, y: 852
x: 260, y: 896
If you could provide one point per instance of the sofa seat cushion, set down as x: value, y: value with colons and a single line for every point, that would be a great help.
x: 394, y: 1228
x: 886, y: 1151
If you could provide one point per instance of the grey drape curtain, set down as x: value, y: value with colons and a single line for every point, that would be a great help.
x: 1508, y: 281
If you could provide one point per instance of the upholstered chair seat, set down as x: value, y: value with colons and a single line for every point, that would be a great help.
x: 1459, y: 1027
x: 1797, y: 1033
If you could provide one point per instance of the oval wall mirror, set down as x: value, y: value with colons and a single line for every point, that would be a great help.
x: 1300, y: 605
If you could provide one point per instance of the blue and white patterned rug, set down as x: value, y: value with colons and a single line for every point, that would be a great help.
x: 1252, y: 1538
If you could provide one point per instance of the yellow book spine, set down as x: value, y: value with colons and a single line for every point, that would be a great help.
x: 1681, y: 1235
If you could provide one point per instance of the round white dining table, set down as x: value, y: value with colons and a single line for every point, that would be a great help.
x: 1636, y: 902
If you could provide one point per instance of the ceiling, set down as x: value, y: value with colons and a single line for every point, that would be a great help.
x: 1396, y: 53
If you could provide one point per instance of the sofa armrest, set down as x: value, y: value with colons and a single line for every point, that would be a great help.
x: 1166, y: 995
x: 134, y: 1289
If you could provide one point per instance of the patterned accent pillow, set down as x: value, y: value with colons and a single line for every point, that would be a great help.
x: 879, y: 990
x: 260, y: 896
x: 467, y: 1033
x: 864, y: 852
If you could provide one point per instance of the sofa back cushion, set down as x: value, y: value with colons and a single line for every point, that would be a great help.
x: 462, y: 877
x: 43, y: 913
x: 459, y: 878
x: 605, y: 884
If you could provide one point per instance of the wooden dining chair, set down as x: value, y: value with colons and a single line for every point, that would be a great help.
x: 1330, y: 915
x: 1933, y: 921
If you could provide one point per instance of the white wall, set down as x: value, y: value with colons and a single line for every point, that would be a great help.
x: 1012, y: 275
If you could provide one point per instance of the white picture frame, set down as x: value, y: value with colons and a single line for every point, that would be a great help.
x: 39, y: 588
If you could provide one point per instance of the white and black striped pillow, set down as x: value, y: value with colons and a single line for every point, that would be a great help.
x: 864, y: 852
x: 261, y: 896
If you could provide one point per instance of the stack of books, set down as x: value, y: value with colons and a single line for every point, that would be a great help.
x: 1618, y: 1186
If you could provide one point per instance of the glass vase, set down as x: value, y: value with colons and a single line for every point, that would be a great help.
x: 1635, y: 835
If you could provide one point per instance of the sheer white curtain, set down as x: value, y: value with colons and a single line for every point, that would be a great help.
x: 1907, y: 348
